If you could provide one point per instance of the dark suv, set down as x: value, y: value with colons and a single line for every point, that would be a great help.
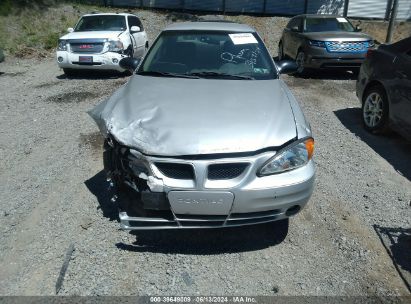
x: 323, y: 41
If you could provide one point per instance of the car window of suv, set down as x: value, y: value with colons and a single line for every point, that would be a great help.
x: 294, y: 23
x: 328, y: 25
x: 140, y: 24
x: 134, y: 21
x: 101, y: 23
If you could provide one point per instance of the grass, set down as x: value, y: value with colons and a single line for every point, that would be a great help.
x: 34, y: 30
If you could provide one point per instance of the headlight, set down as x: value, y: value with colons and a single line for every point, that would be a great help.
x: 62, y: 45
x: 371, y: 43
x: 115, y: 46
x: 317, y: 43
x: 291, y: 157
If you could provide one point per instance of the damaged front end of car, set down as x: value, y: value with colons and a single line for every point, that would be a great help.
x: 171, y: 170
x: 139, y: 194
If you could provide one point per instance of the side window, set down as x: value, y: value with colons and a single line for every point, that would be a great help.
x: 300, y: 24
x: 295, y: 24
x: 139, y: 23
x: 292, y: 23
x: 134, y: 21
x: 131, y: 22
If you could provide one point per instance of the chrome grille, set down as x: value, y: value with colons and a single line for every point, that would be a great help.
x: 347, y: 46
x: 226, y: 171
x: 176, y: 171
x: 86, y: 47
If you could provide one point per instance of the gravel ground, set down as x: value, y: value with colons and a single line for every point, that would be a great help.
x: 54, y: 195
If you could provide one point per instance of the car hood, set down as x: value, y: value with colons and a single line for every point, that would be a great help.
x: 177, y: 116
x: 340, y: 36
x: 92, y: 34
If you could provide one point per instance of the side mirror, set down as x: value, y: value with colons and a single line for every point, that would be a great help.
x: 358, y: 29
x: 287, y: 67
x: 295, y: 29
x: 70, y: 30
x: 135, y: 29
x: 129, y: 64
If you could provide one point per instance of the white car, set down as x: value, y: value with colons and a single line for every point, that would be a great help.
x: 100, y: 41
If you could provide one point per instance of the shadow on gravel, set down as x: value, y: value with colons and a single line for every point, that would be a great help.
x: 329, y: 75
x: 99, y: 187
x: 393, y: 148
x: 208, y: 241
x: 190, y: 241
x: 94, y: 75
x: 397, y: 242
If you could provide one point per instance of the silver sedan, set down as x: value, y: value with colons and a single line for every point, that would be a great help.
x: 205, y: 134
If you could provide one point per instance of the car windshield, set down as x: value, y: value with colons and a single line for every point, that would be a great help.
x: 209, y: 55
x: 328, y: 25
x: 101, y: 23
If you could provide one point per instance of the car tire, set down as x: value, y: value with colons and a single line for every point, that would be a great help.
x: 375, y: 110
x: 70, y: 72
x: 300, y: 61
x: 281, y: 55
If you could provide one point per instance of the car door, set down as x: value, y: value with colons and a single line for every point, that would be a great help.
x: 401, y: 102
x: 139, y: 38
x: 295, y: 37
x: 286, y: 37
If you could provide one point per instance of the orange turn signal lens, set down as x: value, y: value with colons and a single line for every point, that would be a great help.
x: 309, y: 145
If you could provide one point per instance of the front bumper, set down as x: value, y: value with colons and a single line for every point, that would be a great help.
x: 255, y: 199
x: 103, y: 61
x: 320, y: 58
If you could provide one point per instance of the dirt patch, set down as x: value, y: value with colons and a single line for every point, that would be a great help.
x: 70, y: 97
x: 93, y: 141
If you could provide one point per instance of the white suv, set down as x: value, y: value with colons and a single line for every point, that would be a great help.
x: 100, y: 41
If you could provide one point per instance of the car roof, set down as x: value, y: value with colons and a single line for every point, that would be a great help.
x: 324, y: 16
x: 209, y: 26
x: 108, y: 14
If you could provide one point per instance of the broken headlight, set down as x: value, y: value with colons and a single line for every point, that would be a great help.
x: 294, y: 156
x: 62, y: 46
x: 115, y: 46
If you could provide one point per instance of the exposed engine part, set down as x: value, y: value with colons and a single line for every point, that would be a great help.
x: 130, y: 174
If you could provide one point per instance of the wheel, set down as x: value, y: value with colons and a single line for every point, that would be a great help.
x: 375, y: 110
x: 300, y: 61
x: 70, y: 72
x: 280, y: 51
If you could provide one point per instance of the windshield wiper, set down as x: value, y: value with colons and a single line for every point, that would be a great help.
x: 220, y: 75
x: 166, y: 74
